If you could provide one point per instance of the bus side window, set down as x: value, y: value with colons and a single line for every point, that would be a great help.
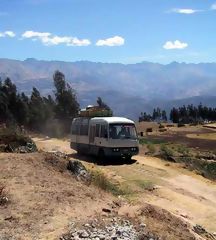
x: 97, y: 134
x: 104, y: 133
x: 77, y: 129
x: 73, y: 130
x: 92, y: 134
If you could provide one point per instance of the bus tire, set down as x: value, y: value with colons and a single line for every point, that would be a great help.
x: 128, y: 158
x: 101, y: 156
x: 79, y: 151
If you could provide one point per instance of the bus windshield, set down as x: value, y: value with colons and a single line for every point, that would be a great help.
x: 122, y: 131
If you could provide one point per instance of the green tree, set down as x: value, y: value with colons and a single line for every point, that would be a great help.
x: 37, y: 111
x: 67, y: 106
x: 164, y: 116
x: 102, y: 104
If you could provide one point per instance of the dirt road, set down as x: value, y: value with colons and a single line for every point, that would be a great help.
x: 177, y: 190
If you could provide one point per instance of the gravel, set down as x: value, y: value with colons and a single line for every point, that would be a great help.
x: 113, y: 230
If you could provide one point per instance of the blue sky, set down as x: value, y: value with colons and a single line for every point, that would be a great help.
x: 125, y: 31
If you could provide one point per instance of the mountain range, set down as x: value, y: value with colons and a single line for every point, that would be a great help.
x: 128, y: 88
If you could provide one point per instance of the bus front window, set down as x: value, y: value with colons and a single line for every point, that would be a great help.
x: 121, y: 131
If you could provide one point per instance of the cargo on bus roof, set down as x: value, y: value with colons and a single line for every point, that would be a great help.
x: 95, y: 111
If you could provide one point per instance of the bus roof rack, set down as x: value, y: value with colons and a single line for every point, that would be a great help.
x: 95, y: 111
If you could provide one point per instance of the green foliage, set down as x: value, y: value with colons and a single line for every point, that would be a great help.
x: 166, y: 152
x: 183, y: 150
x: 67, y: 106
x: 157, y: 115
x: 185, y: 114
x: 145, y: 184
x: 39, y: 113
x: 3, y: 195
x: 151, y: 149
x: 150, y: 141
x: 102, y: 104
x: 202, y: 162
x: 12, y: 138
x: 192, y: 114
x: 204, y: 167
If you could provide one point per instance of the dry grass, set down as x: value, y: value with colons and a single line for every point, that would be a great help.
x: 203, y: 163
x: 208, y: 136
x: 3, y: 195
x: 101, y: 181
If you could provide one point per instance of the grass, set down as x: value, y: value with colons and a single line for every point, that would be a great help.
x: 150, y: 141
x: 183, y: 150
x: 207, y: 136
x: 101, y: 181
x: 151, y: 149
x: 166, y: 152
x: 144, y: 184
x: 201, y: 162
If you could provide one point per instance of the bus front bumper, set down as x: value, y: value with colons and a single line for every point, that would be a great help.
x: 121, y: 152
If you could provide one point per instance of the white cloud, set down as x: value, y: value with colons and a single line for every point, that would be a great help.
x: 175, y: 45
x: 7, y: 34
x: 114, y: 41
x: 185, y: 10
x: 48, y: 39
x: 10, y: 34
x: 32, y: 34
x: 213, y: 6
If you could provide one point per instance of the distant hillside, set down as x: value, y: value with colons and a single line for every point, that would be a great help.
x: 129, y: 89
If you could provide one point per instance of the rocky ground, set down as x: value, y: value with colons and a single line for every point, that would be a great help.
x: 116, y: 228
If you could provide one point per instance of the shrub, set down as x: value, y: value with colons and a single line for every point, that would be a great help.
x: 145, y: 184
x: 150, y: 141
x: 166, y: 152
x: 102, y: 182
x: 3, y: 198
x: 13, y: 140
x: 151, y: 148
x: 183, y: 150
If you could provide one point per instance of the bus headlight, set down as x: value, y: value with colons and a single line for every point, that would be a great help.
x: 133, y: 149
x: 115, y: 149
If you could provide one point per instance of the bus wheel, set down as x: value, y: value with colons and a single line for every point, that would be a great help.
x: 101, y: 156
x: 128, y: 158
x: 79, y: 151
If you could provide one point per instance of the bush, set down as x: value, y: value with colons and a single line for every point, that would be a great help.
x: 150, y: 141
x: 102, y: 182
x: 167, y: 153
x: 145, y: 184
x: 3, y: 198
x: 151, y: 148
x: 183, y: 150
x: 12, y: 140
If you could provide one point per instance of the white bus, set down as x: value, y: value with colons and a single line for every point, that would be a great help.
x: 104, y: 137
